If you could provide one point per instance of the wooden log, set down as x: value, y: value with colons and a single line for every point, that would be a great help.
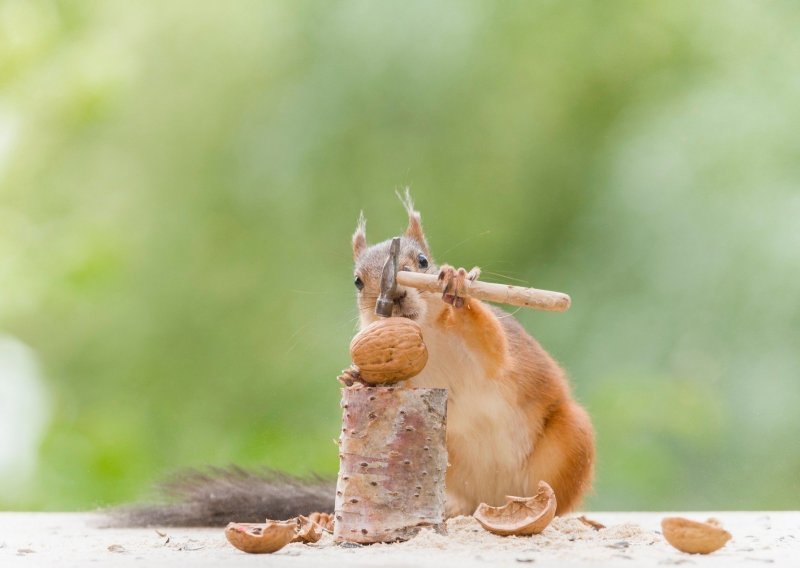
x: 491, y: 292
x: 392, y: 463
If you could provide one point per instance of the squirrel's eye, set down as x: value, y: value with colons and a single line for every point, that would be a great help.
x: 359, y: 283
x: 423, y: 261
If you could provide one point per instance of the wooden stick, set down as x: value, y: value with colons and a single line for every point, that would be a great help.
x: 392, y: 463
x: 500, y: 293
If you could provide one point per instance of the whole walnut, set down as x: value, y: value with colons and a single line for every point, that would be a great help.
x: 389, y: 350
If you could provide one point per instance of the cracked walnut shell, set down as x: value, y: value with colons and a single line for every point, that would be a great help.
x: 694, y: 537
x: 259, y: 538
x: 520, y: 515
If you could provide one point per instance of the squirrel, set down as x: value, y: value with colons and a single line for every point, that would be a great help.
x: 512, y: 420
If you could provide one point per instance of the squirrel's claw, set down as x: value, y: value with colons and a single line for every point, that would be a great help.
x: 454, y: 284
x: 350, y: 377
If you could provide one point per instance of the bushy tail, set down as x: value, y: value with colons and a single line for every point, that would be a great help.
x: 216, y: 496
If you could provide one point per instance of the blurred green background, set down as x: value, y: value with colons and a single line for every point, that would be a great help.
x: 179, y: 182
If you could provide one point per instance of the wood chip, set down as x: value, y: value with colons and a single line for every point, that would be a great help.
x: 590, y: 523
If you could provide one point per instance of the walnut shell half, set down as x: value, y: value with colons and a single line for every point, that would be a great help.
x: 520, y: 515
x: 389, y: 350
x: 259, y: 538
x: 694, y: 537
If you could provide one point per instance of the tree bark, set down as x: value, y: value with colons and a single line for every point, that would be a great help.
x: 392, y: 463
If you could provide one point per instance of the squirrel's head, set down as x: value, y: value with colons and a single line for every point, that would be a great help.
x: 414, y: 256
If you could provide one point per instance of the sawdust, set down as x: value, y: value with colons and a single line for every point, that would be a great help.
x: 561, y: 533
x: 630, y: 540
x: 464, y: 537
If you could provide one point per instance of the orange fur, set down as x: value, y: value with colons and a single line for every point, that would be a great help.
x: 561, y: 448
x: 479, y: 330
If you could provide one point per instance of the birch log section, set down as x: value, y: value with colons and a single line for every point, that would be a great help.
x: 392, y: 463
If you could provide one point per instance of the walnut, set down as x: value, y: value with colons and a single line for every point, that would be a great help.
x: 389, y: 350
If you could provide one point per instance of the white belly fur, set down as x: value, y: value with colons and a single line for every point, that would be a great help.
x: 487, y: 436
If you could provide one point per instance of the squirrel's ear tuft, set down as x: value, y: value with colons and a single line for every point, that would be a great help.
x: 360, y: 237
x: 414, y: 229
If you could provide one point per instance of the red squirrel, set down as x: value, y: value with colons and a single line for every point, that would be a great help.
x: 511, y: 420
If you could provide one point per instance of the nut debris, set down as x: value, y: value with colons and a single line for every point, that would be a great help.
x: 694, y: 537
x: 591, y: 523
x: 520, y: 515
x: 324, y: 520
x: 259, y: 538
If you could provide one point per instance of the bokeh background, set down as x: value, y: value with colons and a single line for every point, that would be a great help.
x: 179, y: 182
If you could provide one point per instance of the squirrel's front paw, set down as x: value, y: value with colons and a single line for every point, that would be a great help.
x: 351, y: 377
x: 454, y: 283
